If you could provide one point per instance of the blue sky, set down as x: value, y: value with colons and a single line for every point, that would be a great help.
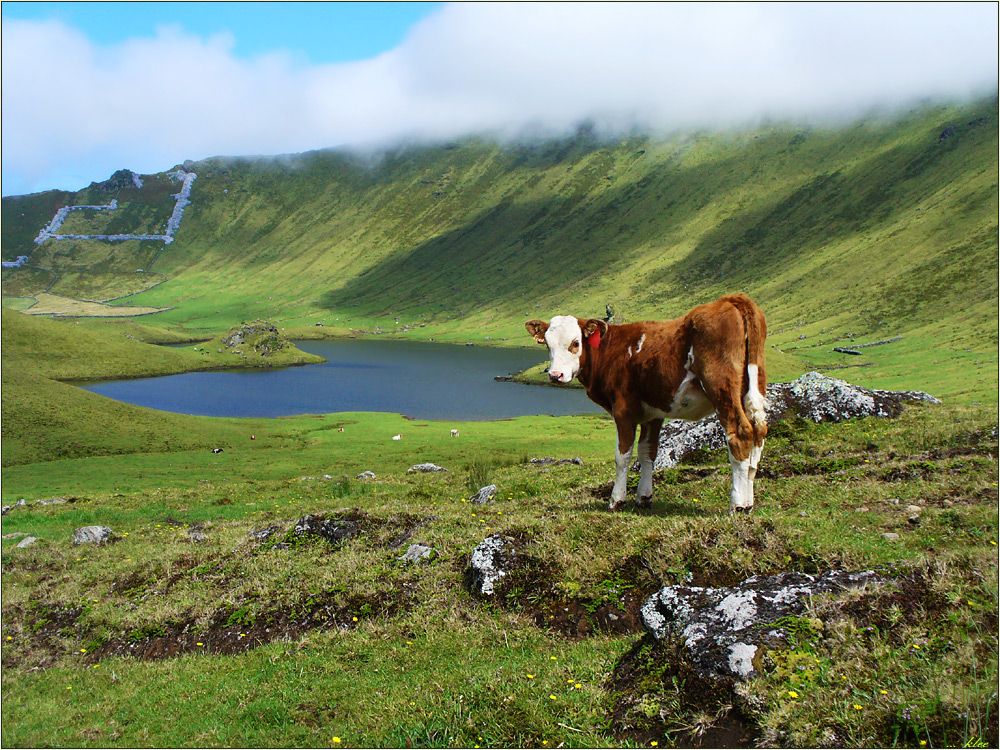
x: 89, y: 88
x: 321, y: 32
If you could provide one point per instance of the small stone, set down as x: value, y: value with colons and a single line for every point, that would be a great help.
x: 366, y: 475
x: 428, y: 467
x: 415, y: 553
x: 491, y: 560
x: 485, y: 495
x: 890, y: 536
x: 26, y: 542
x: 862, y: 509
x: 92, y: 535
x: 913, y: 509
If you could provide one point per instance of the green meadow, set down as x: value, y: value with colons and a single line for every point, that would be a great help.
x: 208, y: 621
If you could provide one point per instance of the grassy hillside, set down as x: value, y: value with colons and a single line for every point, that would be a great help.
x: 884, y: 228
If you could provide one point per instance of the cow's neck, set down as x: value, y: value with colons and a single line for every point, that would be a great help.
x: 591, y: 363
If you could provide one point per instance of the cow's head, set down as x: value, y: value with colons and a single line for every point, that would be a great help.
x: 567, y: 338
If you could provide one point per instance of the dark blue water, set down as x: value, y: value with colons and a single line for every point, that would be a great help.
x: 420, y: 380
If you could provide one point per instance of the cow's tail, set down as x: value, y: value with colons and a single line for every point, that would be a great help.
x: 754, y: 401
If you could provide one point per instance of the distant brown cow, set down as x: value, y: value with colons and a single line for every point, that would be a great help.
x: 712, y: 359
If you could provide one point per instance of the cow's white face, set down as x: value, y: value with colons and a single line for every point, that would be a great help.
x: 565, y: 342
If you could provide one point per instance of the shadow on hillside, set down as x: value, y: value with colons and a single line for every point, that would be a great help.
x: 845, y: 202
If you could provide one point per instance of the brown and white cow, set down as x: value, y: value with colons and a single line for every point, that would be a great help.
x: 712, y: 359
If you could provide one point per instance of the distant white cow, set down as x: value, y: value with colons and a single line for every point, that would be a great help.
x: 397, y: 437
x: 454, y: 433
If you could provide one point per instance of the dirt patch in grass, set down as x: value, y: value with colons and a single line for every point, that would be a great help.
x: 660, y: 697
x: 236, y: 630
x: 46, y: 625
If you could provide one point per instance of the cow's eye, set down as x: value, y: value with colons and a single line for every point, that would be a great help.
x: 574, y: 347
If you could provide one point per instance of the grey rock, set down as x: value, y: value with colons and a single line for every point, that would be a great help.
x: 13, y: 535
x: 420, y: 468
x: 913, y: 509
x: 26, y: 542
x: 890, y: 536
x: 92, y: 535
x: 812, y: 396
x: 333, y: 530
x: 485, y: 495
x: 8, y: 508
x: 261, y: 534
x: 416, y: 553
x: 366, y: 475
x: 493, y: 559
x: 556, y: 461
x: 723, y: 628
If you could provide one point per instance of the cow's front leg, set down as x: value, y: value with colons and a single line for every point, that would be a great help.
x: 623, y: 459
x: 649, y: 444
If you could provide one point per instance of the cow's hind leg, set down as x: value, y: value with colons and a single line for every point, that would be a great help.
x: 755, y: 407
x: 724, y: 390
x: 623, y: 459
x: 649, y: 444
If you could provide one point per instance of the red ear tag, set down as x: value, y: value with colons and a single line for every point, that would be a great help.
x: 594, y: 339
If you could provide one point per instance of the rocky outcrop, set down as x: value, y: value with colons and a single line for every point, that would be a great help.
x: 493, y: 559
x: 93, y: 535
x: 485, y: 495
x: 725, y: 628
x: 416, y: 553
x: 556, y: 461
x: 812, y: 396
x: 261, y: 337
x: 333, y: 530
x: 424, y: 468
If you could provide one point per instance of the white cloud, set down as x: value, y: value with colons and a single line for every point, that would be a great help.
x: 74, y: 110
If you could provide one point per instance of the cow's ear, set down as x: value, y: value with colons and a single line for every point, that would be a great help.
x: 594, y: 324
x: 537, y: 329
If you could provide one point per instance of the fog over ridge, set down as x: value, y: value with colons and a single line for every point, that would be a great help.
x: 74, y: 110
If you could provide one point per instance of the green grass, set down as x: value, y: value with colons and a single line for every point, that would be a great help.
x: 426, y: 663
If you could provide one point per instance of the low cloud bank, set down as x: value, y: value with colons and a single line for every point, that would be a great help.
x: 75, y: 111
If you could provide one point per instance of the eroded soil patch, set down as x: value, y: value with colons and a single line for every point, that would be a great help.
x: 660, y: 697
x: 235, y: 630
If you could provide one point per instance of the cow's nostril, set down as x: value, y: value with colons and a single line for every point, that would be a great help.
x: 555, y: 377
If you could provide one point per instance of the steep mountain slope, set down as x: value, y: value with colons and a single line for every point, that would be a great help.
x: 870, y: 231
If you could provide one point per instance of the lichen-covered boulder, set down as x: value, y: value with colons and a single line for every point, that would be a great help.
x: 417, y: 553
x: 494, y: 559
x: 724, y: 628
x: 485, y: 495
x: 812, y: 396
x: 333, y: 530
x: 92, y: 535
x: 423, y: 468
